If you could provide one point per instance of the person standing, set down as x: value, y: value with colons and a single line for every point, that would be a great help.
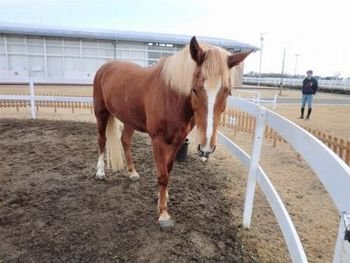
x: 309, y: 89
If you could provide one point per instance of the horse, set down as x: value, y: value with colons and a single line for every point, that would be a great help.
x: 189, y: 88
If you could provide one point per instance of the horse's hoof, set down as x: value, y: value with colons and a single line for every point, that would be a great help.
x: 134, y: 176
x: 166, y: 225
x: 100, y: 177
x: 100, y: 174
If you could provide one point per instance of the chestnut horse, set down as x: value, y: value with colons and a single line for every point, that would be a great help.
x: 166, y: 101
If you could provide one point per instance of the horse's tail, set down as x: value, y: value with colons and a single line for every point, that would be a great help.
x: 114, y: 147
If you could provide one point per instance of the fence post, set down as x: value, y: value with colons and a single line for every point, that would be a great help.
x: 336, y: 147
x: 274, y: 103
x: 236, y: 123
x: 32, y: 99
x: 274, y: 145
x: 253, y: 167
x: 258, y: 98
x: 223, y: 124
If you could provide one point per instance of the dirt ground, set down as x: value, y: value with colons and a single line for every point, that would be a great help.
x: 332, y: 119
x: 52, y: 209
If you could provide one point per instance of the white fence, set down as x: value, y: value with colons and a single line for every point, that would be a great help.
x: 329, y: 84
x: 256, y: 97
x: 324, y: 164
x: 32, y: 98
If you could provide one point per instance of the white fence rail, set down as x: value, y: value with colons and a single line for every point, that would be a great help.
x: 294, y: 82
x: 256, y: 97
x: 26, y: 80
x: 32, y: 98
x: 330, y: 169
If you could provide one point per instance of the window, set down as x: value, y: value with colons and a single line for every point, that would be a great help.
x: 158, y: 50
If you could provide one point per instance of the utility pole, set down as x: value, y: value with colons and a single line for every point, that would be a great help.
x: 296, y: 64
x: 261, y: 53
x: 282, y: 72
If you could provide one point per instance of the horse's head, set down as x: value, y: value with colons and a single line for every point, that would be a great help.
x: 210, y: 88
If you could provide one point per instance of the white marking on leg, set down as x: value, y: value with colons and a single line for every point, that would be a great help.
x: 166, y: 198
x: 164, y: 216
x: 211, y: 93
x: 134, y: 176
x: 100, y: 174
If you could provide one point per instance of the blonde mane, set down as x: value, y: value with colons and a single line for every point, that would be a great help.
x: 179, y: 68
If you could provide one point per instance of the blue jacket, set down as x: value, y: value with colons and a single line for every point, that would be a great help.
x: 310, y: 86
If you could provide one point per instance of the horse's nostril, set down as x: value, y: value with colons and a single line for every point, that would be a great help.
x: 205, y: 154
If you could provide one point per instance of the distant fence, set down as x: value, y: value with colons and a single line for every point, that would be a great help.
x: 325, y: 85
x: 35, y: 101
x: 54, y: 105
x: 239, y: 121
x: 256, y: 97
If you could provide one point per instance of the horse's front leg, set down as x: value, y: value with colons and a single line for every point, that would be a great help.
x: 162, y: 154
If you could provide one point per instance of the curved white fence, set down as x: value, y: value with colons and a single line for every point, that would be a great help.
x: 330, y: 169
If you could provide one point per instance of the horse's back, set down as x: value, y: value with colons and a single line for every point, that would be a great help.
x: 121, y: 88
x: 113, y: 75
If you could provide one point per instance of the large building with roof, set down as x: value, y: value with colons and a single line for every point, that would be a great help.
x: 56, y: 55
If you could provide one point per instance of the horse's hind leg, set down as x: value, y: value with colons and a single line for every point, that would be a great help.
x: 102, y: 117
x: 128, y: 131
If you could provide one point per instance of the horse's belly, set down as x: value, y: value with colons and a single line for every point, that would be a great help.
x: 131, y: 116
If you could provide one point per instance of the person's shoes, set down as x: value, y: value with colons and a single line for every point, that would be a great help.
x: 301, y: 117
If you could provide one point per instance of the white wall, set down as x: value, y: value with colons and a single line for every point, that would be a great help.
x: 57, y: 58
x: 132, y: 51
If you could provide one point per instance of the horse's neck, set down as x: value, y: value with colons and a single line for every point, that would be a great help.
x: 169, y: 100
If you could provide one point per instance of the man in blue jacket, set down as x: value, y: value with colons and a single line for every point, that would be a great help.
x: 309, y: 89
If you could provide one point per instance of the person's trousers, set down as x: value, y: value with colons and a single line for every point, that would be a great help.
x: 307, y: 98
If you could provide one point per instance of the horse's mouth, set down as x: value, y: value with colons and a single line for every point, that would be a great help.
x: 204, y: 155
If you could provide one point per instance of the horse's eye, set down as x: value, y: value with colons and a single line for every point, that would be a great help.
x: 229, y: 93
x: 194, y: 91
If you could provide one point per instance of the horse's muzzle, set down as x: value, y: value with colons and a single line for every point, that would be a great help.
x: 204, y: 155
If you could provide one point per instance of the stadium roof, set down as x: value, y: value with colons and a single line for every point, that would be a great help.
x: 22, y: 29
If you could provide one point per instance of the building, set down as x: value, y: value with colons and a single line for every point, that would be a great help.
x: 56, y: 55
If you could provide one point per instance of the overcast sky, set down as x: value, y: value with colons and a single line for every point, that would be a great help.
x: 317, y: 30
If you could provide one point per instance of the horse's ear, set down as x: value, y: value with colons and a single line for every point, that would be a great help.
x: 237, y: 58
x: 197, y: 52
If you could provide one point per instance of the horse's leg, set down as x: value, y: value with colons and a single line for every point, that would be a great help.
x: 171, y: 159
x: 128, y: 131
x: 102, y: 117
x: 161, y: 157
